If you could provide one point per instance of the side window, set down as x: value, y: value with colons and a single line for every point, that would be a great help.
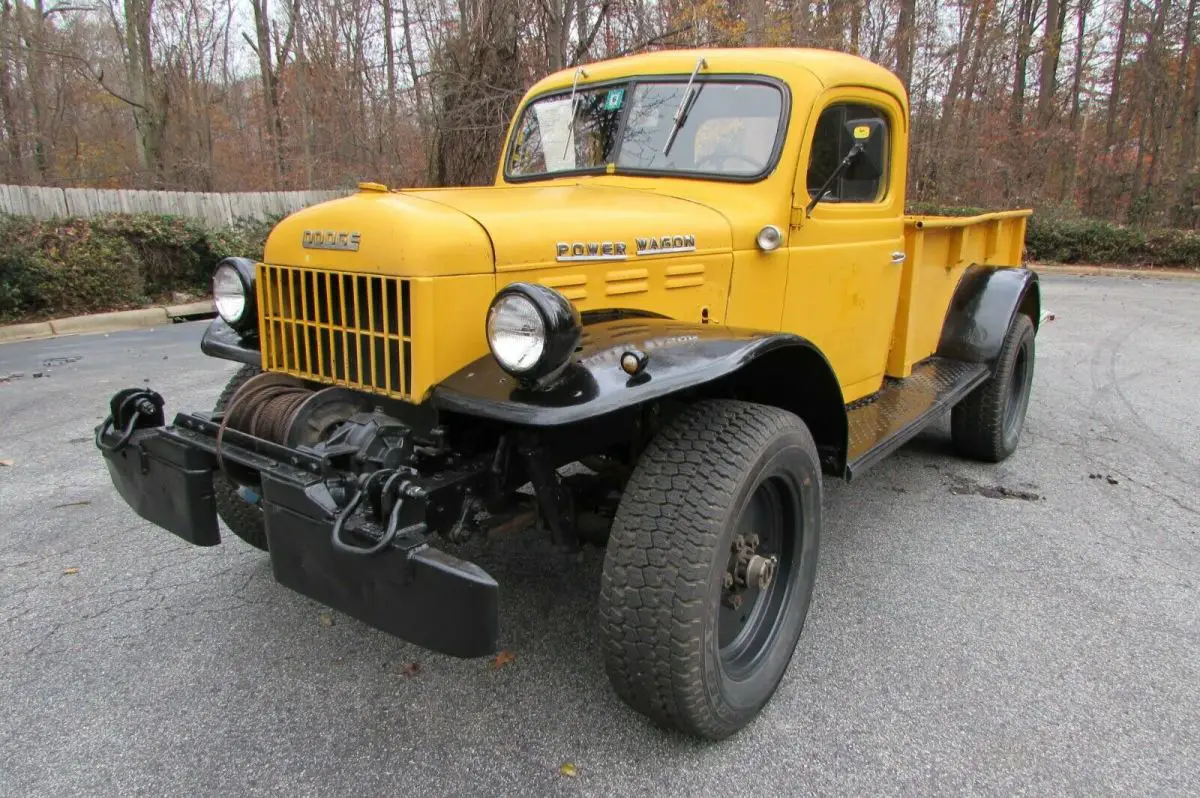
x: 830, y: 144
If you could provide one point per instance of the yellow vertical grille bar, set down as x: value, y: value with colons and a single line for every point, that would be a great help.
x: 328, y: 278
x: 346, y: 324
x: 264, y: 311
x: 370, y: 331
x: 303, y: 324
x: 293, y: 318
x: 358, y: 360
x: 284, y: 329
x: 315, y: 298
x: 387, y: 325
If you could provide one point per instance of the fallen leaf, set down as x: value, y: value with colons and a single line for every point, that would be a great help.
x: 70, y: 571
x: 326, y: 619
x: 568, y: 770
x: 502, y: 659
x: 6, y: 462
x: 410, y: 670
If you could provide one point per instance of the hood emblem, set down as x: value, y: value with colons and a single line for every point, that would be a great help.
x: 666, y: 244
x: 590, y: 250
x: 331, y: 239
x: 567, y: 251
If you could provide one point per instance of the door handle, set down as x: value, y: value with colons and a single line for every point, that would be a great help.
x: 897, y: 257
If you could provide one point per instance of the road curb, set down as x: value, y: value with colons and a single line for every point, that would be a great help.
x: 24, y: 332
x: 106, y: 322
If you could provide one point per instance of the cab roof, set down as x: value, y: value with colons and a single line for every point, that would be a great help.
x: 829, y: 67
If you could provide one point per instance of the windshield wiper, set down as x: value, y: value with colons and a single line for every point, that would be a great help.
x: 684, y: 103
x: 579, y: 71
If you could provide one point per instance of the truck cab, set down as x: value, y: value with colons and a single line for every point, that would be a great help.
x: 690, y: 295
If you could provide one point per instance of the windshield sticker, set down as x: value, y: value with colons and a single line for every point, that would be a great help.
x: 614, y: 100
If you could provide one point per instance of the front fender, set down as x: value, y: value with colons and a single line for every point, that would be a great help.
x: 982, y: 309
x: 681, y: 355
x: 221, y: 340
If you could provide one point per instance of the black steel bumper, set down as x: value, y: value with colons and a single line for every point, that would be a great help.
x: 409, y: 588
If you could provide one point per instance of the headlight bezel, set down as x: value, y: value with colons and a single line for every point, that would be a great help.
x: 243, y: 269
x: 561, y: 330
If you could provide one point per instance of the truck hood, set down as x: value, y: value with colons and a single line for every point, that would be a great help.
x: 431, y: 232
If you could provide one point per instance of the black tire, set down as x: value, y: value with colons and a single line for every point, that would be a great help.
x: 243, y: 518
x: 987, y: 424
x: 672, y: 649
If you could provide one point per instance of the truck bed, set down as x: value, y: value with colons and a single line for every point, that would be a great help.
x: 938, y: 249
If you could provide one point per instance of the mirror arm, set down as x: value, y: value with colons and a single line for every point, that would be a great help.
x: 855, y: 151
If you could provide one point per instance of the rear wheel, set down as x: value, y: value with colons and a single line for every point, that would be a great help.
x: 236, y: 507
x: 987, y: 424
x: 710, y: 566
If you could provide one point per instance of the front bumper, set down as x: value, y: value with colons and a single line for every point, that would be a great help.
x: 409, y: 588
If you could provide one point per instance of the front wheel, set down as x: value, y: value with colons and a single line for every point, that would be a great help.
x: 244, y: 519
x: 710, y: 566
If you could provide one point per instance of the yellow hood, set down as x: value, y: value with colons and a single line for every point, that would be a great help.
x: 425, y: 233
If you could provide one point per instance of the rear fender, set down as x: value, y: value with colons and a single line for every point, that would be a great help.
x: 983, y: 307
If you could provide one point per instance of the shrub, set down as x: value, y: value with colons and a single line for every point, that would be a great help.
x: 66, y: 266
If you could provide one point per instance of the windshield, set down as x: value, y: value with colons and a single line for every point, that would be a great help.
x: 729, y: 129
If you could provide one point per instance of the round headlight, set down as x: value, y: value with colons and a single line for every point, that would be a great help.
x: 233, y: 293
x: 516, y: 332
x: 532, y: 331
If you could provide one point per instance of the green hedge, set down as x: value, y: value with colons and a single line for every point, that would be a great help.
x: 68, y: 266
x: 1051, y: 238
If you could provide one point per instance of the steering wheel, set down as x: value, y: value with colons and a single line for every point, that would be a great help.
x: 721, y: 155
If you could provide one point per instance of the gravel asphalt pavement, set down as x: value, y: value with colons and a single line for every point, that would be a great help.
x: 1031, y: 627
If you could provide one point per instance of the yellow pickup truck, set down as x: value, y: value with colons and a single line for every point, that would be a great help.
x: 691, y: 292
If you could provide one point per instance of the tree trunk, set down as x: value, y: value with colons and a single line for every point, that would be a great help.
x: 905, y: 28
x: 147, y: 99
x: 389, y: 54
x: 1114, y: 94
x: 977, y: 52
x: 1026, y: 13
x: 1051, y: 46
x: 8, y: 107
x: 950, y: 98
x: 756, y: 23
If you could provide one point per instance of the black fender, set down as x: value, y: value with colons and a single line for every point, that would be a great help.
x: 709, y: 360
x: 984, y: 304
x: 221, y: 340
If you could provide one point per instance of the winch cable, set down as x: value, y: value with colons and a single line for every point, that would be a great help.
x: 265, y: 410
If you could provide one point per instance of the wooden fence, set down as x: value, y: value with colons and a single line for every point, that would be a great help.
x: 44, y: 202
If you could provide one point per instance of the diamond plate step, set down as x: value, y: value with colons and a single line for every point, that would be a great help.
x: 905, y: 407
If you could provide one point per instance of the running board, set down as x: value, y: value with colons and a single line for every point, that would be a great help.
x: 905, y: 407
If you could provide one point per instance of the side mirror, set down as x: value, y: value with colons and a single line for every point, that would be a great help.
x: 870, y: 135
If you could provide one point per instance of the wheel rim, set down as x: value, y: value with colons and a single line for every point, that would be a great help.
x: 1018, y: 391
x: 746, y: 628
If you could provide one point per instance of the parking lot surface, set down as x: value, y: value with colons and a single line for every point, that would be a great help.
x: 1031, y: 627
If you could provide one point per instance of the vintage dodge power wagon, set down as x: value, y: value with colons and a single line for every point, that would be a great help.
x: 690, y: 293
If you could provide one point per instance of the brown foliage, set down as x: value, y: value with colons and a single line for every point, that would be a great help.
x: 1067, y: 105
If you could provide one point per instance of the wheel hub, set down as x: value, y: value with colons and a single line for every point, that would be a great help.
x: 748, y: 568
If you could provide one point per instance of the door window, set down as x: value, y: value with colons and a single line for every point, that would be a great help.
x: 830, y: 144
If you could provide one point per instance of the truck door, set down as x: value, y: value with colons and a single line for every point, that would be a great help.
x: 844, y: 260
